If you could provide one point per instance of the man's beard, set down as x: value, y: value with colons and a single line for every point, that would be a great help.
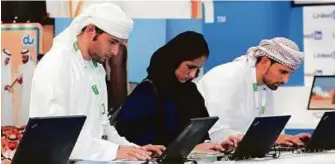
x: 96, y: 57
x: 272, y: 86
x: 25, y: 61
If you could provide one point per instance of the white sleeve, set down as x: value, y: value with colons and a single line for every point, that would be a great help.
x: 92, y: 149
x: 114, y: 137
x: 49, y: 97
x: 219, y: 91
x: 49, y: 92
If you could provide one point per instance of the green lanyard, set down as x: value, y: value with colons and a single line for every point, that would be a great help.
x: 95, y: 90
x: 95, y: 64
x: 94, y: 87
x: 261, y: 108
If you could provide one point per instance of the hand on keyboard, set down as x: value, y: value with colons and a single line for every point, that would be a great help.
x: 295, y: 140
x: 209, y: 148
x: 132, y: 153
x: 156, y: 150
x: 230, y: 144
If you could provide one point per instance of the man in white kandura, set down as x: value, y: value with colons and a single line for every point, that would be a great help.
x: 25, y: 75
x: 6, y: 92
x: 241, y: 90
x: 71, y: 81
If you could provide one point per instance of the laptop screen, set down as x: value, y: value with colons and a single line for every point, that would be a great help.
x: 322, y: 96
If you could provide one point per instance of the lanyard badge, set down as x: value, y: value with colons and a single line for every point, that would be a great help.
x: 95, y: 89
x: 261, y: 108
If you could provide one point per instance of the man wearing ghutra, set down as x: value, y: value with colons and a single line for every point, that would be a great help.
x: 25, y: 74
x: 70, y: 80
x: 241, y: 90
x: 6, y: 92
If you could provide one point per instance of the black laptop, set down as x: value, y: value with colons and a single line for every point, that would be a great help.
x: 322, y: 97
x: 48, y: 140
x: 323, y: 137
x: 179, y: 149
x: 260, y: 137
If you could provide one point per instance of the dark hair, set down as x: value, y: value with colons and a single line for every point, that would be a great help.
x: 97, y: 29
x: 260, y: 58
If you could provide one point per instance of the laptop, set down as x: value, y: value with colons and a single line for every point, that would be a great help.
x: 323, y: 137
x: 48, y: 140
x: 260, y: 137
x: 322, y: 97
x: 178, y: 150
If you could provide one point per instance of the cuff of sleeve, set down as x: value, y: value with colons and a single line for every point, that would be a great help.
x: 110, y: 151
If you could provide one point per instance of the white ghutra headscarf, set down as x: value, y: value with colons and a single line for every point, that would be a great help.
x: 280, y: 49
x: 107, y: 16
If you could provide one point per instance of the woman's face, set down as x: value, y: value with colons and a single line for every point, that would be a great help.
x: 187, y: 70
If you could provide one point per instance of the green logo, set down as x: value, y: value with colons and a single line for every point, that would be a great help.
x: 95, y: 89
x: 255, y: 87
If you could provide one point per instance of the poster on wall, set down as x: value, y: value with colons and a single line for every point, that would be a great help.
x: 20, y: 44
x: 319, y: 41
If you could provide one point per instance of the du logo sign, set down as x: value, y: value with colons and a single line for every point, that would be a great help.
x: 28, y: 40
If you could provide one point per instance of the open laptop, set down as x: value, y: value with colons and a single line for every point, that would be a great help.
x: 48, y: 140
x: 322, y: 138
x: 322, y: 97
x: 260, y: 137
x: 178, y: 150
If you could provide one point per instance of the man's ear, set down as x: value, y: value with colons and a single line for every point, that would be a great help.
x: 90, y: 28
x: 90, y: 31
x: 265, y: 62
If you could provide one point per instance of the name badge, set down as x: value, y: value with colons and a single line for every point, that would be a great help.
x: 95, y: 89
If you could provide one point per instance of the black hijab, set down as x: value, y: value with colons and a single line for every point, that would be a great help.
x: 186, y: 46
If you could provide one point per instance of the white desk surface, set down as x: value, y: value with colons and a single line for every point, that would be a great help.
x: 285, y: 158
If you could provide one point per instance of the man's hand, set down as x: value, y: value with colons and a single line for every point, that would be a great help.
x: 209, y: 148
x: 8, y: 88
x: 231, y: 142
x: 132, y: 153
x: 289, y: 140
x: 20, y: 80
x: 6, y: 161
x: 156, y: 150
